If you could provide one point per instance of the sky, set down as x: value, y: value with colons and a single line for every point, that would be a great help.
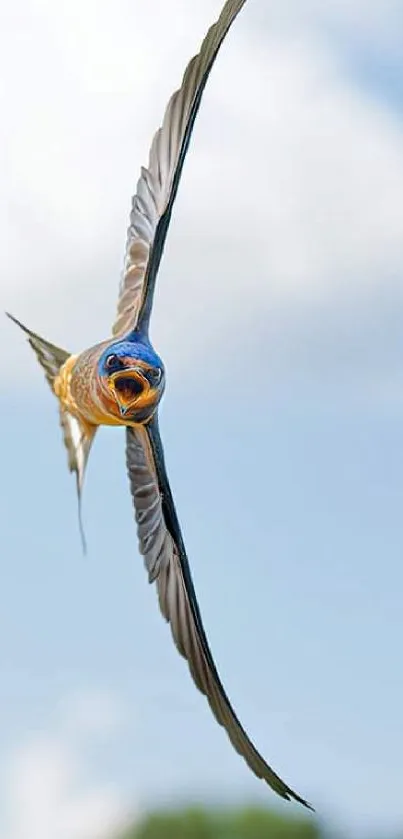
x: 278, y: 315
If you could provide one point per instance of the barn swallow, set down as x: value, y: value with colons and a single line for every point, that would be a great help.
x: 121, y: 381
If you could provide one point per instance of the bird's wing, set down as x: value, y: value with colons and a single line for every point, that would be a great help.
x: 165, y: 558
x: 50, y: 357
x: 77, y: 434
x: 157, y: 187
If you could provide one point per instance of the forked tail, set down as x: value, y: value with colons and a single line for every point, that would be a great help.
x: 77, y: 433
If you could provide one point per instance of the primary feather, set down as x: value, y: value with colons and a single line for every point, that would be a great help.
x: 78, y: 435
x: 165, y: 558
x: 156, y: 189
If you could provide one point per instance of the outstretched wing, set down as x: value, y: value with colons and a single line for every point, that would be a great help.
x: 77, y: 434
x: 157, y: 187
x: 50, y: 357
x: 78, y: 437
x: 165, y: 558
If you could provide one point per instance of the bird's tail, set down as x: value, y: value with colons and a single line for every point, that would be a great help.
x: 77, y: 433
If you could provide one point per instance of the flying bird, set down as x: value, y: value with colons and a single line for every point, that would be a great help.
x: 121, y: 380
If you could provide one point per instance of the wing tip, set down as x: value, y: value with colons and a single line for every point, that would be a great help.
x: 289, y: 795
x: 299, y: 800
x: 16, y: 321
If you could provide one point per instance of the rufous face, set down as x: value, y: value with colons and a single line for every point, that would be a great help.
x: 132, y: 389
x: 117, y: 383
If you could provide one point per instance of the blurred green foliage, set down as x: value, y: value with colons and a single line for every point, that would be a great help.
x: 200, y: 823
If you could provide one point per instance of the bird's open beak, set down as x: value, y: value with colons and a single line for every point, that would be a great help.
x: 129, y: 387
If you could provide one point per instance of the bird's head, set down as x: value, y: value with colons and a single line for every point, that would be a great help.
x: 132, y: 380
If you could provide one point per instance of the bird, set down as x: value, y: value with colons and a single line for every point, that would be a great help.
x: 120, y: 382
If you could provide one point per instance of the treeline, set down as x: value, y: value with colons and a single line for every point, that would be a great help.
x: 200, y: 823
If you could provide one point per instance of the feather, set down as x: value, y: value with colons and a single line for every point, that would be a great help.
x: 78, y: 434
x: 165, y: 558
x: 158, y: 184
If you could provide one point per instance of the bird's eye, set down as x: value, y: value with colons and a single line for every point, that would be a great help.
x: 113, y: 362
x: 154, y: 376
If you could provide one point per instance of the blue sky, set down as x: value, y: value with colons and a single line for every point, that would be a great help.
x: 279, y: 317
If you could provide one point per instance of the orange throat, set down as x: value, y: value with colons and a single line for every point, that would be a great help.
x: 89, y: 406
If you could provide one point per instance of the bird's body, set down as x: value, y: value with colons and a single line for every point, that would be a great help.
x: 98, y: 391
x: 120, y: 382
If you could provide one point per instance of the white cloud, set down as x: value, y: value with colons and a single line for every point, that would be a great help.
x: 292, y: 196
x: 48, y: 792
